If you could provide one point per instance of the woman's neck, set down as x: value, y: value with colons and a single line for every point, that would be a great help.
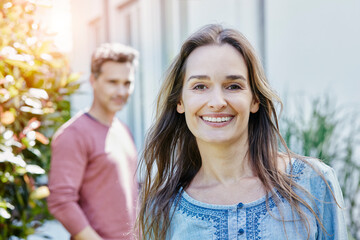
x: 224, y: 163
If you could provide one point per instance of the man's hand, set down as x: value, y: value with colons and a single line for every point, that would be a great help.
x: 87, y: 233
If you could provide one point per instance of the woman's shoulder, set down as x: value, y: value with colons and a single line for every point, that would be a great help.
x: 311, y: 166
x: 313, y: 174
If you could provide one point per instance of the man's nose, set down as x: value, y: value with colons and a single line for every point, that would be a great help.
x: 122, y: 90
x: 217, y: 99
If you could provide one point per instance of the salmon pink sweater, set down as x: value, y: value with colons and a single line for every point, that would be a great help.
x: 92, y: 178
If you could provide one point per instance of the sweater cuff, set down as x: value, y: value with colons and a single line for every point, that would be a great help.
x: 72, y: 218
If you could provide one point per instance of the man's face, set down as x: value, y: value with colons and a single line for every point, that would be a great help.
x: 113, y: 86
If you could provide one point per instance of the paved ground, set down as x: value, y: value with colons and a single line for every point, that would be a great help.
x: 52, y: 229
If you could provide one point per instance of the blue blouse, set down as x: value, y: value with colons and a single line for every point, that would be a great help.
x: 196, y: 220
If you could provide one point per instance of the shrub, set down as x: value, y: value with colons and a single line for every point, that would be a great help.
x: 35, y: 85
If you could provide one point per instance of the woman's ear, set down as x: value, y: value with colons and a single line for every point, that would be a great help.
x: 180, y: 107
x: 254, y: 105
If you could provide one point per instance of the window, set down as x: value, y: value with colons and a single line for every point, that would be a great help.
x: 95, y: 33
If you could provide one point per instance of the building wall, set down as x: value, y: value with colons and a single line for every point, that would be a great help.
x: 313, y: 48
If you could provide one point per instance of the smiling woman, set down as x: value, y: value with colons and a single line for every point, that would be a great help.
x: 212, y: 159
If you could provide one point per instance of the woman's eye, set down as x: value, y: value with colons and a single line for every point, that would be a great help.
x: 234, y: 87
x: 199, y: 87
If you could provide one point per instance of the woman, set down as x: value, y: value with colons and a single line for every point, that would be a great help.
x: 212, y: 160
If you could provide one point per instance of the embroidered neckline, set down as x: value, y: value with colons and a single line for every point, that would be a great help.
x: 217, y: 215
x: 297, y: 170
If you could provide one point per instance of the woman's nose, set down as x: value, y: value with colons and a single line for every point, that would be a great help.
x: 217, y: 99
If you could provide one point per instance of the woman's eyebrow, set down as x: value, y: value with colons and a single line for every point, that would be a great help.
x: 235, y: 77
x: 198, y: 77
x: 206, y: 77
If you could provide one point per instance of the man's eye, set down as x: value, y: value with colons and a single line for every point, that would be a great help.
x: 199, y: 87
x: 233, y: 87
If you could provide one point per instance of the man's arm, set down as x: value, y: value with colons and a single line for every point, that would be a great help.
x: 68, y: 165
x: 88, y: 233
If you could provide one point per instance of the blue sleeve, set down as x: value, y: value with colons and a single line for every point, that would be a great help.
x: 331, y: 215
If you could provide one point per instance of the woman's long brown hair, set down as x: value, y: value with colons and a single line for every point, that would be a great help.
x: 171, y: 156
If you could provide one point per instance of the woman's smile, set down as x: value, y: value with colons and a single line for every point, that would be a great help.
x: 217, y: 120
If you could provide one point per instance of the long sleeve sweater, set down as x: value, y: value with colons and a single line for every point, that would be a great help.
x: 92, y: 178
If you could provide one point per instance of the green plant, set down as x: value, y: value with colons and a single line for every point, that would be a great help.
x: 35, y: 85
x: 332, y: 135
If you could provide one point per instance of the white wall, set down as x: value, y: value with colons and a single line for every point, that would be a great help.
x: 83, y: 45
x: 313, y: 48
x: 239, y: 14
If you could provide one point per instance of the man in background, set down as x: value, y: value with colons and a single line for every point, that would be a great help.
x: 92, y: 179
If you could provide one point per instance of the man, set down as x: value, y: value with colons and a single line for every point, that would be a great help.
x: 92, y: 182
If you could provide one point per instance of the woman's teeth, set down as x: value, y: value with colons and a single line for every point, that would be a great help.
x: 217, y: 119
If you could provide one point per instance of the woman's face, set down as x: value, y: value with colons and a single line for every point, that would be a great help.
x: 216, y: 96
